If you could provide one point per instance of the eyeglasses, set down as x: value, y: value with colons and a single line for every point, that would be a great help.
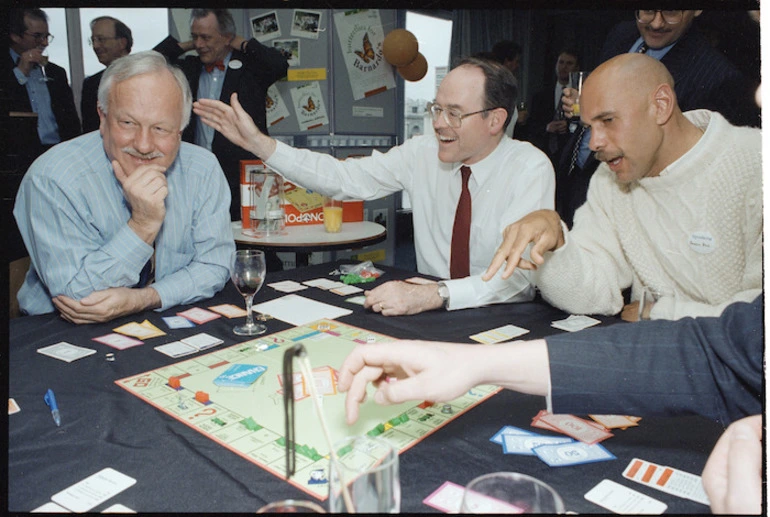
x: 452, y: 118
x: 100, y: 40
x: 40, y: 36
x: 648, y: 15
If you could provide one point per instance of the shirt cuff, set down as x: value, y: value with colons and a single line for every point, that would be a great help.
x: 20, y: 77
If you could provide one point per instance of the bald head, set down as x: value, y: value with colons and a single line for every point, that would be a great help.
x: 629, y: 74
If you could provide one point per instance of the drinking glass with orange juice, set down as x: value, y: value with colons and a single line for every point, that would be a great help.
x: 332, y: 215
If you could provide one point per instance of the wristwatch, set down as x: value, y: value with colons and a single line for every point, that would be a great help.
x: 443, y: 292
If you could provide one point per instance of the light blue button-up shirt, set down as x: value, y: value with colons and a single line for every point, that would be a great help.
x: 209, y: 87
x: 73, y: 217
x: 40, y: 101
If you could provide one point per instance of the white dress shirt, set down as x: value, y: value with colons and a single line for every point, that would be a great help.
x: 515, y: 179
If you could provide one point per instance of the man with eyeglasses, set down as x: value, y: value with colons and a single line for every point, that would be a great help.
x: 466, y: 182
x: 110, y: 39
x: 38, y: 85
x: 703, y: 79
x: 225, y: 63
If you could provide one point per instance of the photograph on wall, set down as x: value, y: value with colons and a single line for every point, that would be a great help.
x: 361, y: 34
x: 305, y: 24
x: 265, y: 26
x: 289, y: 48
x: 309, y: 106
x: 275, y: 109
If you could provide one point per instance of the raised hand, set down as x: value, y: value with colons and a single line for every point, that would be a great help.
x: 541, y: 227
x: 145, y: 190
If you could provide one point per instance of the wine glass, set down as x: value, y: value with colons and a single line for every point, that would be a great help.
x: 44, y: 63
x: 510, y: 492
x: 248, y: 274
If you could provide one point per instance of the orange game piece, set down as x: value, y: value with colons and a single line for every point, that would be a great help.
x: 174, y: 382
x: 201, y: 396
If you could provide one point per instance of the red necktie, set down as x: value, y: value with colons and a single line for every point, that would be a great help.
x: 210, y: 67
x: 459, y: 262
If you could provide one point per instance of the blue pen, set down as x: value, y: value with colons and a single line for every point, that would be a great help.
x: 50, y: 399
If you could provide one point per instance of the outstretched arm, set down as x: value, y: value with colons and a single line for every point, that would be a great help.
x: 237, y: 126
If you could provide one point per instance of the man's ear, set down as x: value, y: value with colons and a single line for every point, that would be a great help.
x: 102, y: 117
x: 664, y: 102
x: 497, y: 119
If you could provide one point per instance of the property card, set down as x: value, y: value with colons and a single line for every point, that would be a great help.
x: 13, y: 407
x: 298, y: 310
x: 667, y: 479
x: 500, y: 334
x: 623, y: 500
x: 358, y: 300
x: 447, y: 498
x: 324, y: 283
x: 575, y: 453
x: 524, y: 445
x: 93, y: 490
x: 228, y: 310
x: 616, y: 421
x: 176, y: 349
x: 198, y: 315
x: 287, y: 286
x: 575, y: 323
x: 118, y: 341
x: 509, y: 430
x: 578, y: 428
x: 178, y: 322
x: 202, y: 341
x: 346, y: 290
x: 144, y: 330
x: 67, y: 352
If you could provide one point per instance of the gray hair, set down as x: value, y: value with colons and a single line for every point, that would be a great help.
x: 225, y: 22
x: 140, y: 63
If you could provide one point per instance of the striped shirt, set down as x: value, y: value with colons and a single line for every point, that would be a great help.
x: 73, y: 218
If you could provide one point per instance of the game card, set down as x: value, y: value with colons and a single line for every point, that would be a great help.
x: 575, y: 323
x: 50, y: 507
x: 13, y: 407
x: 667, y: 479
x: 176, y: 349
x: 298, y: 310
x: 346, y: 290
x: 623, y: 500
x: 509, y: 430
x: 358, y: 300
x: 229, y: 310
x: 324, y: 283
x: 118, y: 508
x: 198, y: 315
x: 616, y: 421
x: 178, y: 322
x: 447, y: 498
x: 578, y: 428
x: 93, y: 490
x: 575, y: 453
x: 118, y: 341
x: 287, y: 286
x: 144, y: 330
x: 500, y: 334
x: 202, y: 341
x: 67, y: 352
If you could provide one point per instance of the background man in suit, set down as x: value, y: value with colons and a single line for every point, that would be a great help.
x: 225, y: 63
x: 703, y: 78
x: 110, y: 39
x: 38, y: 85
x: 547, y: 126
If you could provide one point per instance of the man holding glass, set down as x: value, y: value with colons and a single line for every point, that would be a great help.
x: 675, y: 208
x: 128, y: 218
x: 38, y: 85
x: 466, y: 182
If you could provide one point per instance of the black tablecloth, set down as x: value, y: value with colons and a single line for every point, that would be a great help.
x: 179, y: 470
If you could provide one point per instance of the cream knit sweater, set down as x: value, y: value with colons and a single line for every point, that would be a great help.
x: 692, y: 235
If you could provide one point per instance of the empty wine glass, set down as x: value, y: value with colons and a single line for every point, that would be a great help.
x: 248, y: 273
x: 43, y: 64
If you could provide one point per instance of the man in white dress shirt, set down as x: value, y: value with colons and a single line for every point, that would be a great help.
x: 508, y: 179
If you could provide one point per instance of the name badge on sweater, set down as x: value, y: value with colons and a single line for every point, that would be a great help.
x: 235, y: 64
x: 702, y: 242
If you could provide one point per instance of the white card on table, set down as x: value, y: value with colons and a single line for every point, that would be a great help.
x: 118, y: 508
x: 358, y: 300
x: 667, y: 479
x: 499, y: 334
x: 346, y: 290
x: 202, y: 341
x: 66, y: 351
x: 118, y: 341
x: 448, y: 497
x: 623, y: 500
x: 297, y: 310
x: 324, y: 283
x: 176, y: 349
x: 575, y: 323
x: 287, y: 286
x: 93, y: 490
x: 50, y: 507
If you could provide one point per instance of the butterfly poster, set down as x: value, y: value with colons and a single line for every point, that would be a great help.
x: 275, y: 108
x: 309, y: 106
x: 361, y: 34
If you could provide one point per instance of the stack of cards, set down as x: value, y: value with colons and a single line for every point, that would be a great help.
x: 555, y: 451
x: 575, y: 323
x: 500, y: 334
x: 143, y: 330
x: 287, y: 286
x: 622, y: 422
x: 622, y: 500
x: 67, y: 352
x: 667, y: 479
x: 584, y: 430
x: 189, y: 345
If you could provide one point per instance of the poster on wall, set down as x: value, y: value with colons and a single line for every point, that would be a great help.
x: 309, y: 106
x: 305, y: 24
x: 361, y: 34
x: 275, y: 109
x: 265, y: 26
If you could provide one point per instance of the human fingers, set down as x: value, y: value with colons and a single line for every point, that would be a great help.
x: 509, y: 253
x: 744, y: 469
x: 70, y: 310
x: 356, y: 392
x: 120, y: 175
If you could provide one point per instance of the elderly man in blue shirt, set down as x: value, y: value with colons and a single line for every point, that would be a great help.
x: 129, y: 218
